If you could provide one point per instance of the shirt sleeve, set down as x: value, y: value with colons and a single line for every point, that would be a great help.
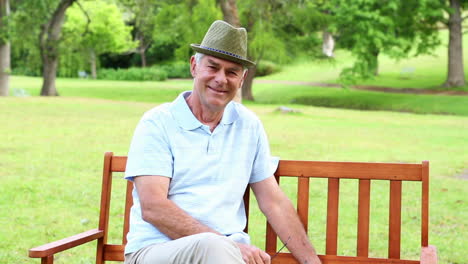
x: 264, y: 164
x: 150, y: 151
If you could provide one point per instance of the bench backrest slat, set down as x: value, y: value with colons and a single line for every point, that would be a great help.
x: 303, y: 201
x: 128, y: 206
x: 363, y: 218
x: 332, y: 216
x: 425, y: 205
x: 270, y: 236
x: 394, y: 232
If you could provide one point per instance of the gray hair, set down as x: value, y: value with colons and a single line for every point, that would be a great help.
x: 199, y: 56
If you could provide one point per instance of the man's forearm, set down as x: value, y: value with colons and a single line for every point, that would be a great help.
x: 173, y: 221
x: 289, y: 228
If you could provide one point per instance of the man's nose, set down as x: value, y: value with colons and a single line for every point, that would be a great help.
x: 220, y: 77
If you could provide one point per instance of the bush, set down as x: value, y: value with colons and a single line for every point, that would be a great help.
x: 133, y: 74
x: 266, y: 68
x: 25, y: 71
x: 177, y: 69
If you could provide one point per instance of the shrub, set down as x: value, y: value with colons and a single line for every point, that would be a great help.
x: 25, y: 71
x: 133, y: 74
x: 177, y: 69
x: 266, y: 68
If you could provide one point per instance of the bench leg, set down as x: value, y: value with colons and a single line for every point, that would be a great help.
x: 47, y: 260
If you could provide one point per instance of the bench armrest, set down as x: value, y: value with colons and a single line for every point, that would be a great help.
x: 66, y: 243
x: 429, y: 255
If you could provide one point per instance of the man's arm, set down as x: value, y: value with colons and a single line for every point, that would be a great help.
x: 283, y: 218
x: 173, y: 221
x: 162, y: 212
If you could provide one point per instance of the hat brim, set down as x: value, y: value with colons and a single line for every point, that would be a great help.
x: 243, y: 62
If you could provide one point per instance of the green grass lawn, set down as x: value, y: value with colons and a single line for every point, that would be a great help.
x: 51, y: 159
x: 266, y: 93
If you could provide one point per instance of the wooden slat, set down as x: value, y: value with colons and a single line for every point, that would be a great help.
x: 114, y: 252
x: 128, y: 206
x: 350, y: 170
x: 394, y: 233
x: 363, y: 219
x: 303, y: 201
x: 64, y: 244
x: 287, y: 258
x: 105, y: 205
x: 332, y: 216
x: 47, y: 260
x: 119, y: 163
x: 270, y: 237
x: 425, y: 205
x: 247, y: 208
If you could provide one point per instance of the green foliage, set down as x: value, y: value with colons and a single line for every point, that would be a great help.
x: 133, y: 74
x: 84, y: 40
x: 397, y: 28
x: 4, y: 22
x: 179, y: 24
x: 265, y: 68
x: 25, y: 22
x: 177, y: 69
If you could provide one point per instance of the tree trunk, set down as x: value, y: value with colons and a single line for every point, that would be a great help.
x: 142, y: 47
x: 328, y: 44
x: 247, y: 85
x: 49, y: 39
x: 4, y: 51
x: 143, y: 58
x: 92, y: 60
x: 229, y: 9
x: 455, y: 74
x: 375, y: 62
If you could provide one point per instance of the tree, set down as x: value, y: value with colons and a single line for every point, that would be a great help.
x: 143, y: 12
x: 455, y: 73
x: 179, y: 24
x: 230, y: 15
x: 278, y: 31
x: 49, y: 40
x: 4, y: 48
x: 397, y: 28
x: 94, y: 28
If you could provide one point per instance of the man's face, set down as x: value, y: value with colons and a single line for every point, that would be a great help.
x: 216, y: 81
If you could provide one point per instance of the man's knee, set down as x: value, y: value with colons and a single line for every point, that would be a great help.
x: 213, y: 241
x: 212, y: 248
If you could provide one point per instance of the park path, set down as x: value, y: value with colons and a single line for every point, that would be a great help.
x: 369, y: 88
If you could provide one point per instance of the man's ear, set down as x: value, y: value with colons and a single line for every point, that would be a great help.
x: 193, y: 65
x: 243, y: 78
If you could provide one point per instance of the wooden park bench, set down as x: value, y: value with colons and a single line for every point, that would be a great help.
x: 304, y: 171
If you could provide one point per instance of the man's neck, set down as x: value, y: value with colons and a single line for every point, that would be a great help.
x: 204, y: 115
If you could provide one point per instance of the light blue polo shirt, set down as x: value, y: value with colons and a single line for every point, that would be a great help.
x: 209, y: 171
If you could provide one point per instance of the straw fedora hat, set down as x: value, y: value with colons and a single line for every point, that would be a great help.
x: 226, y: 42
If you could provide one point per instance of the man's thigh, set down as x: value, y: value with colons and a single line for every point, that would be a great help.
x: 203, y: 248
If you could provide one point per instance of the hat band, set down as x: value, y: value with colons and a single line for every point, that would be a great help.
x: 225, y: 52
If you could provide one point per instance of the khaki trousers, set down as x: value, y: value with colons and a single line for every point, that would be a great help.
x: 204, y: 248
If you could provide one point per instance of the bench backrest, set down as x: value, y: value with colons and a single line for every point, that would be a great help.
x: 365, y: 173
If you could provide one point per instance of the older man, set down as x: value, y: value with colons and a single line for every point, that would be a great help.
x: 191, y: 161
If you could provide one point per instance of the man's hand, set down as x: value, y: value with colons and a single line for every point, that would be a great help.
x: 253, y: 255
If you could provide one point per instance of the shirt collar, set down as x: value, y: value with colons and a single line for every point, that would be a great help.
x: 185, y: 118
